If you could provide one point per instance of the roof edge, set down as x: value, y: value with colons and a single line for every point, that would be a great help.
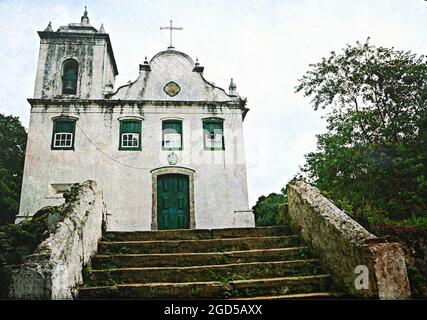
x: 119, y: 102
x: 172, y: 52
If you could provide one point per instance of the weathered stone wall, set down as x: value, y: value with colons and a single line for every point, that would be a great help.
x: 414, y: 242
x: 342, y: 244
x: 90, y: 51
x: 54, y: 270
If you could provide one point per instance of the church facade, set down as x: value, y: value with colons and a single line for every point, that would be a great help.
x: 167, y: 149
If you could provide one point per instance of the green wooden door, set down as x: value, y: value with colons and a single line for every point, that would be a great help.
x: 172, y: 202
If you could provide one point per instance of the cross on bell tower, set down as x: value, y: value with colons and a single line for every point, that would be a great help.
x: 171, y: 28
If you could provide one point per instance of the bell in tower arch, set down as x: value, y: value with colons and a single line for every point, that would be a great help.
x: 69, y: 77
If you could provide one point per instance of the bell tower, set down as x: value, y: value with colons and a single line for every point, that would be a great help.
x: 75, y: 62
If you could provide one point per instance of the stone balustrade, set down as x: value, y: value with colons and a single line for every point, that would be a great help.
x: 345, y: 248
x: 54, y: 270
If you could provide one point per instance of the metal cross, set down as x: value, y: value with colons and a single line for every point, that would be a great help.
x: 171, y: 28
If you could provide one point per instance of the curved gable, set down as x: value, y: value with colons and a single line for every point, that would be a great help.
x: 172, y: 78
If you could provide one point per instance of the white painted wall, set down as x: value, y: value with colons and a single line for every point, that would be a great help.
x: 220, y: 176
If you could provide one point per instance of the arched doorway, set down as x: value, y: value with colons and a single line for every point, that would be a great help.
x: 173, y: 198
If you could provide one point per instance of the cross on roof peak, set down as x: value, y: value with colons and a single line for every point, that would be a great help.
x: 171, y: 28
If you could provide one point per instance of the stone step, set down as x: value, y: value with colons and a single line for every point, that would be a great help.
x: 198, y: 234
x: 187, y: 246
x: 211, y: 289
x: 297, y: 296
x: 193, y: 259
x: 227, y: 272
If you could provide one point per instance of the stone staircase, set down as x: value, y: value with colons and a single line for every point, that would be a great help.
x: 244, y: 263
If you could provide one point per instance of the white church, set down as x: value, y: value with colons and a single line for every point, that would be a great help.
x: 166, y: 149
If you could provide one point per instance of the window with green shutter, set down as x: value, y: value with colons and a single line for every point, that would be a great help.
x: 130, y: 135
x: 213, y: 134
x: 172, y: 135
x: 63, y: 134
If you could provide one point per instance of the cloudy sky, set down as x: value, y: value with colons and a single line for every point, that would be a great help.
x: 264, y: 45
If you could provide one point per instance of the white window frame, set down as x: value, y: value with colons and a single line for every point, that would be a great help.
x: 58, y: 139
x: 216, y: 142
x: 211, y: 143
x: 134, y: 135
x: 172, y: 140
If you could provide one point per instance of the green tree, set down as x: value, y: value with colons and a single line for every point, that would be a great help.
x: 266, y: 210
x: 373, y: 158
x: 13, y: 139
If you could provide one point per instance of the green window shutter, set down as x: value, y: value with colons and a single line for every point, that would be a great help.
x: 211, y: 129
x: 64, y: 126
x: 63, y: 134
x: 130, y: 141
x: 172, y: 127
x: 131, y: 127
